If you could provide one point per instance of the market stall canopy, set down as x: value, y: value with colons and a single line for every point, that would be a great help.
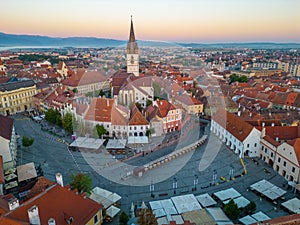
x: 26, y: 172
x: 84, y: 142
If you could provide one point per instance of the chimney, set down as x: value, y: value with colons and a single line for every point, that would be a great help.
x: 13, y: 204
x: 273, y: 124
x: 107, y: 102
x: 277, y: 139
x: 51, y: 221
x: 239, y: 113
x: 250, y: 114
x: 33, y: 214
x: 59, y: 179
x: 263, y: 124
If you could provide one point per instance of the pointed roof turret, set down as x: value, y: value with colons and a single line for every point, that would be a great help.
x: 131, y: 35
x: 132, y: 47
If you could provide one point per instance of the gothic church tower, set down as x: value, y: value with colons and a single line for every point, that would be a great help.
x: 132, y: 57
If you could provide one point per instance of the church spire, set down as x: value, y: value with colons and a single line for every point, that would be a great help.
x: 132, y: 47
x: 131, y: 35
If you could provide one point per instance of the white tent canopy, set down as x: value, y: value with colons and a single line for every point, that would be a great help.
x: 246, y: 220
x: 85, y: 142
x: 206, y: 200
x: 241, y: 202
x: 116, y: 144
x: 254, y: 218
x: 268, y: 189
x: 138, y: 140
x: 186, y: 203
x: 260, y: 216
x: 112, y: 211
x: 105, y: 197
x: 292, y: 205
x: 230, y: 193
x: 26, y: 172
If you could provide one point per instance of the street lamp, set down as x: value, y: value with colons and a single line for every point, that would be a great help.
x: 174, y: 185
x: 152, y: 189
x: 195, y: 182
x: 214, y: 177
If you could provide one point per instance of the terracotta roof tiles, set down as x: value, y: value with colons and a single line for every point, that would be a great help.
x: 6, y: 127
x: 233, y: 124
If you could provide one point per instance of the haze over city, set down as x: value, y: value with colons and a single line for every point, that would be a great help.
x: 184, y: 21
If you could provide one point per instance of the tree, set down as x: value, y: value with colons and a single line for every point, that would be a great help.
x: 148, y: 102
x: 67, y: 122
x: 139, y: 106
x: 101, y: 93
x: 251, y: 207
x: 50, y: 116
x: 149, y: 132
x: 53, y: 116
x: 147, y: 218
x: 231, y: 210
x: 123, y: 219
x: 26, y: 141
x: 82, y: 182
x: 100, y: 130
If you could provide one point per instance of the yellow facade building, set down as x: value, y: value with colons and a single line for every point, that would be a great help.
x: 17, y: 96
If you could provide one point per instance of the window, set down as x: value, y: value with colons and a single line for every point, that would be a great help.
x: 284, y: 163
x: 255, y: 144
x: 279, y: 159
x: 95, y: 218
x: 262, y: 147
x: 271, y: 154
x: 293, y: 169
x: 247, y: 144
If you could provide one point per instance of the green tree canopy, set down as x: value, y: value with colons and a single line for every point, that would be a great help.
x: 234, y: 77
x: 123, y: 219
x: 67, y: 122
x: 53, y: 116
x: 148, y: 102
x: 26, y: 141
x: 251, y: 207
x: 231, y: 210
x: 82, y: 182
x: 100, y: 130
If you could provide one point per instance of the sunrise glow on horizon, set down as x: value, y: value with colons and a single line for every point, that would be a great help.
x: 185, y: 21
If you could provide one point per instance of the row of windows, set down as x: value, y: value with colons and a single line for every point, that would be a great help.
x: 248, y: 145
x: 16, y: 96
x: 135, y: 128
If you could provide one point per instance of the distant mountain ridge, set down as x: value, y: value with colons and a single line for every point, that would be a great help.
x: 23, y: 40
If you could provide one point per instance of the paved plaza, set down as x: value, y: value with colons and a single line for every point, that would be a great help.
x: 212, y: 157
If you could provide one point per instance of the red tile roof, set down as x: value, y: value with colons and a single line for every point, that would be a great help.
x: 41, y: 185
x: 136, y: 117
x: 6, y: 127
x: 82, y: 77
x: 293, y: 219
x: 233, y: 124
x: 164, y: 107
x: 7, y: 221
x: 283, y: 132
x: 58, y: 202
x: 296, y: 144
x: 100, y: 110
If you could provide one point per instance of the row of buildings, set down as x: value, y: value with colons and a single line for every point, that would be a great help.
x: 277, y: 145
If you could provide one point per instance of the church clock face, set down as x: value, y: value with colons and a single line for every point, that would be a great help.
x: 132, y: 60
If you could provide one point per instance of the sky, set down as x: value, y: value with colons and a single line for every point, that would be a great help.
x: 204, y: 21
